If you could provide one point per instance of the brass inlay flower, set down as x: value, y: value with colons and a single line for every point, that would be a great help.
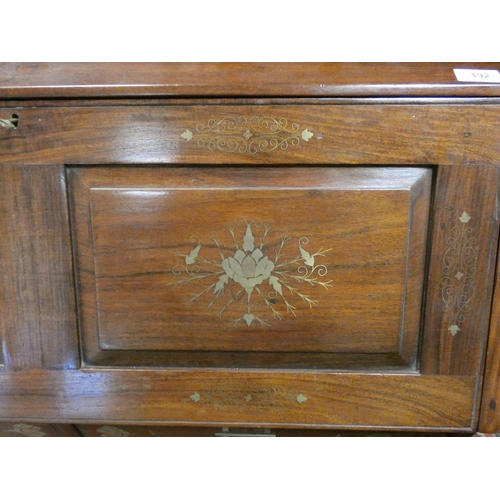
x: 188, y: 135
x: 195, y: 397
x: 110, y: 431
x: 253, y: 270
x: 245, y: 134
x: 27, y: 430
x: 301, y: 398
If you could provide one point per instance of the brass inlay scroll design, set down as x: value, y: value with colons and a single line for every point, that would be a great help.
x: 245, y: 134
x: 254, y: 278
x: 276, y: 398
x: 459, y: 273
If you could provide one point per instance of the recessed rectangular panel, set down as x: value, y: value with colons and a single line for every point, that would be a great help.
x: 281, y: 260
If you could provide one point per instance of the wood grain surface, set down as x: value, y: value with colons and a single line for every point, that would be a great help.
x: 462, y: 268
x: 489, y: 420
x: 150, y: 244
x: 57, y: 80
x: 37, y: 306
x: 239, y: 398
x: 418, y: 134
x: 284, y: 144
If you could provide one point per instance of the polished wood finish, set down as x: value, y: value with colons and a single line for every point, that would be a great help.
x: 418, y: 134
x: 363, y: 159
x: 135, y: 227
x: 469, y: 248
x: 38, y: 300
x: 57, y: 80
x: 489, y: 421
x: 345, y: 400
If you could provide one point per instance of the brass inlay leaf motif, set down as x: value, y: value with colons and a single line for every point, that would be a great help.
x: 110, y: 431
x: 252, y: 276
x: 306, y: 135
x: 301, y: 398
x: 464, y: 218
x: 195, y: 397
x: 188, y: 135
x: 27, y: 430
x: 275, y: 398
x: 459, y: 273
x: 245, y: 134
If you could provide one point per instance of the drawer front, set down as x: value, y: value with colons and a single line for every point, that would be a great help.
x: 278, y: 267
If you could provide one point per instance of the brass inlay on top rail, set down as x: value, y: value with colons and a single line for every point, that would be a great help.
x: 10, y: 123
x: 247, y: 134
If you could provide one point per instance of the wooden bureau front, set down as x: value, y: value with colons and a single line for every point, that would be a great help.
x: 308, y: 263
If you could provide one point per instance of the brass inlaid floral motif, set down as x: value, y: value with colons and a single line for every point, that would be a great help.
x: 252, y: 278
x: 195, y: 397
x: 247, y: 134
x: 110, y: 431
x: 27, y: 430
x: 459, y: 273
x: 301, y: 398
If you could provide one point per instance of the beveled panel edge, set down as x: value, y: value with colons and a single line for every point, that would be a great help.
x: 421, y: 193
x: 87, y: 179
x: 340, y: 363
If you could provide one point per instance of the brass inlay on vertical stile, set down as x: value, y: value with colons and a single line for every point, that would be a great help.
x: 247, y: 134
x: 267, y: 282
x: 459, y: 273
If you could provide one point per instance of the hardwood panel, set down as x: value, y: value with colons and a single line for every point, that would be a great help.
x: 419, y: 134
x: 489, y: 420
x: 37, y: 305
x: 152, y: 245
x: 465, y: 237
x: 238, y: 397
x: 56, y: 80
